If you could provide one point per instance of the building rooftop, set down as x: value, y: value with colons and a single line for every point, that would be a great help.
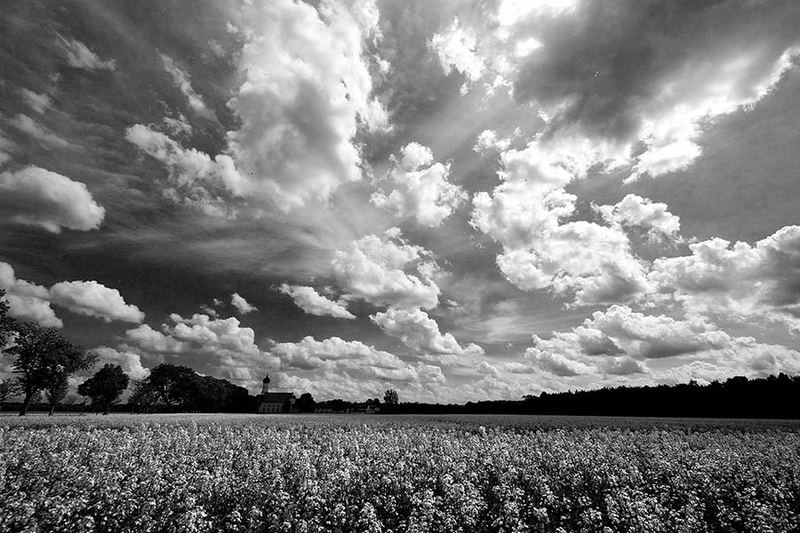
x: 276, y: 397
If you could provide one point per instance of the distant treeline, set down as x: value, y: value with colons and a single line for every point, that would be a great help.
x: 737, y: 397
x: 173, y: 388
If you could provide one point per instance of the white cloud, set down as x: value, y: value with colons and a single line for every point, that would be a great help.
x: 37, y: 197
x: 307, y: 299
x: 636, y: 212
x: 650, y: 108
x: 419, y: 187
x: 241, y: 304
x: 619, y: 341
x: 737, y: 280
x: 188, y: 167
x: 183, y: 82
x: 94, y: 299
x: 420, y: 332
x: 33, y: 302
x: 353, y: 357
x: 525, y: 214
x: 130, y: 362
x: 306, y: 87
x: 38, y: 102
x: 455, y: 47
x: 79, y: 56
x: 647, y: 336
x: 387, y: 271
x: 487, y: 141
x: 29, y: 126
x: 27, y: 301
x: 217, y: 347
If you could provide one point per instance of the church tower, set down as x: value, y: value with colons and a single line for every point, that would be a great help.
x: 265, y: 386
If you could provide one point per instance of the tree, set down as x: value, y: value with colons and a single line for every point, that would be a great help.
x: 105, y: 387
x: 390, y: 397
x: 179, y: 388
x: 56, y: 391
x: 305, y: 403
x: 43, y: 359
x: 7, y: 388
x: 7, y: 324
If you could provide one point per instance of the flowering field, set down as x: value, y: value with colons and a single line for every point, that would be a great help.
x: 370, y: 474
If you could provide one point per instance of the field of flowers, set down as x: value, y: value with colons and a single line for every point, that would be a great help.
x: 398, y: 474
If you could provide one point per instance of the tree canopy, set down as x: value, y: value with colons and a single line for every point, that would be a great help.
x: 305, y: 403
x: 105, y: 387
x: 7, y: 324
x: 391, y: 397
x: 179, y: 388
x: 44, y: 358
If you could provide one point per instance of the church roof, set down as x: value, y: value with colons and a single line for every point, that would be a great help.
x: 277, y: 397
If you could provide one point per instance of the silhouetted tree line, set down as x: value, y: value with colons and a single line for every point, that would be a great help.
x: 737, y: 397
x: 173, y: 388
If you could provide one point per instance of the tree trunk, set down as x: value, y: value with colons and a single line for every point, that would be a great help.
x: 25, y: 404
x: 105, y: 409
x: 52, y: 408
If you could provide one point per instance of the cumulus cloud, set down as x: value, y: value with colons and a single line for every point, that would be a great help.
x: 218, y: 347
x: 526, y: 214
x: 306, y: 88
x: 37, y: 197
x: 419, y: 187
x: 488, y: 141
x: 455, y: 47
x: 191, y: 172
x: 420, y: 332
x: 33, y: 302
x: 737, y: 280
x: 94, y: 299
x: 385, y: 270
x: 306, y: 91
x: 183, y: 82
x: 354, y: 357
x: 313, y: 303
x: 242, y: 305
x: 633, y: 211
x: 649, y: 103
x: 27, y: 301
x: 130, y: 362
x: 620, y: 340
x: 80, y: 56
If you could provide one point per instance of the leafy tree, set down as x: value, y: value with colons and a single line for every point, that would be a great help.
x: 56, y: 391
x: 305, y: 403
x: 390, y: 397
x: 7, y: 324
x: 7, y: 388
x: 43, y: 358
x: 105, y: 387
x: 180, y: 388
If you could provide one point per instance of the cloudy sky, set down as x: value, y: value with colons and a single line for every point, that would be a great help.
x: 459, y: 200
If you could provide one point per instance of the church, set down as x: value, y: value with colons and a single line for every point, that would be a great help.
x: 274, y: 402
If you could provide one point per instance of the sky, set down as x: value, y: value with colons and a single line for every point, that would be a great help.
x: 460, y: 200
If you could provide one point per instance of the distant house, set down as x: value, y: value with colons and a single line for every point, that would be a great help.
x: 274, y: 402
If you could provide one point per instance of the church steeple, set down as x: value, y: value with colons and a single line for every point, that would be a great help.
x: 265, y: 385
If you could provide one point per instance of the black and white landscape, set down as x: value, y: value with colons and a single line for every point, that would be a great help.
x: 394, y: 207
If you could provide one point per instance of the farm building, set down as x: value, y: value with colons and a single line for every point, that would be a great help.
x: 274, y: 402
